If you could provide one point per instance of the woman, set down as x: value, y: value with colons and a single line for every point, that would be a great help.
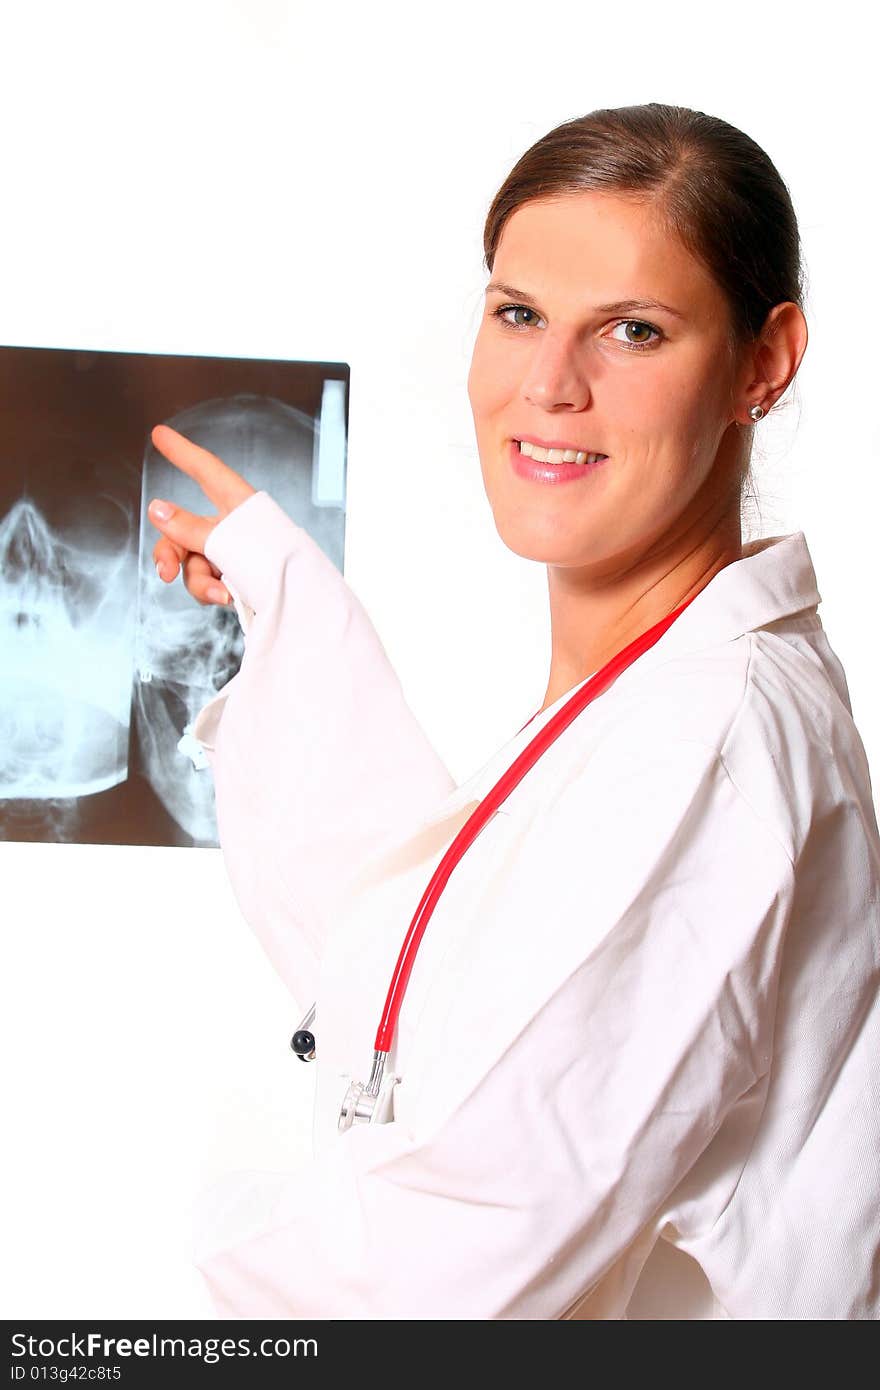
x: 637, y: 1049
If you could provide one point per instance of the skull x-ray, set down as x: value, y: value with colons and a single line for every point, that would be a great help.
x: 68, y: 638
x: 104, y: 667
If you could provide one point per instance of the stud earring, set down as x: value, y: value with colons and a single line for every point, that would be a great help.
x: 757, y: 412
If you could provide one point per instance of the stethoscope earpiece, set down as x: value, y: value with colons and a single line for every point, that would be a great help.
x: 303, y: 1044
x: 303, y: 1041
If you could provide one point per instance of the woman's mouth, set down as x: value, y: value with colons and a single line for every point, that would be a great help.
x: 552, y: 465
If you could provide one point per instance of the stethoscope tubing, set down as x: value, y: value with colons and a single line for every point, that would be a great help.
x: 489, y: 805
x: 469, y: 832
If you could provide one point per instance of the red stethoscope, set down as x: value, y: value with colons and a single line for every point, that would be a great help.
x: 370, y: 1102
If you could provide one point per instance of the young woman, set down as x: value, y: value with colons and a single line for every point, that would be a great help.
x: 634, y: 1072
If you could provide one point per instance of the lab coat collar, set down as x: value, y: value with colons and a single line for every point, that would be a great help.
x: 774, y: 579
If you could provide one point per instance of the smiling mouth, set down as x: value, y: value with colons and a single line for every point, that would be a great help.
x: 556, y: 456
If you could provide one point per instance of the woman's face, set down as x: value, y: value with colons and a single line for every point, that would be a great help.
x: 556, y: 361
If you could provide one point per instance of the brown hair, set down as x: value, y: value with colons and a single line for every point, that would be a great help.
x: 711, y: 185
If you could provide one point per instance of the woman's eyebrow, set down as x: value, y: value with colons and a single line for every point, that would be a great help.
x: 619, y: 306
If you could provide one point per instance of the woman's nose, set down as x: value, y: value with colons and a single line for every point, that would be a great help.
x: 556, y: 374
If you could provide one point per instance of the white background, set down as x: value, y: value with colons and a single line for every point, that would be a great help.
x: 270, y: 179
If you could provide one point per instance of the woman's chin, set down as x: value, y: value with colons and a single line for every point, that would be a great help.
x: 534, y: 543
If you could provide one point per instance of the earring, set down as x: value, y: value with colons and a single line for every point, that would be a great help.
x: 757, y: 412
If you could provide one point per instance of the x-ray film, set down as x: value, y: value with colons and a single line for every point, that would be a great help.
x: 103, y: 666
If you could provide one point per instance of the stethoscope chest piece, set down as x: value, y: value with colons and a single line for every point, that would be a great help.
x: 371, y: 1103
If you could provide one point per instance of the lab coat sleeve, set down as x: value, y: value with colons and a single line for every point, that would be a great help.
x: 315, y: 753
x: 519, y: 1197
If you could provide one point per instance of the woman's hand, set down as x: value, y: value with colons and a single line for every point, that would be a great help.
x: 184, y: 535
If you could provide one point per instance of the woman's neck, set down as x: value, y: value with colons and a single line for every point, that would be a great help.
x: 594, y: 617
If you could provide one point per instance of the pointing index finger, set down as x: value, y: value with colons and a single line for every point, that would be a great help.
x: 220, y: 483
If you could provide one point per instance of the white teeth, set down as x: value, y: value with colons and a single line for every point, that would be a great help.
x: 532, y: 451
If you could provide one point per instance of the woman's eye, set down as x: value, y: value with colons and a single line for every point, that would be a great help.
x: 639, y: 324
x: 513, y: 309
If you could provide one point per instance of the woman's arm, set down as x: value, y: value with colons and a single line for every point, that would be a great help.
x: 316, y: 755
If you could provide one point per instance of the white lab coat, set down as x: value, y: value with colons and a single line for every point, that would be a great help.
x: 639, y: 1047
